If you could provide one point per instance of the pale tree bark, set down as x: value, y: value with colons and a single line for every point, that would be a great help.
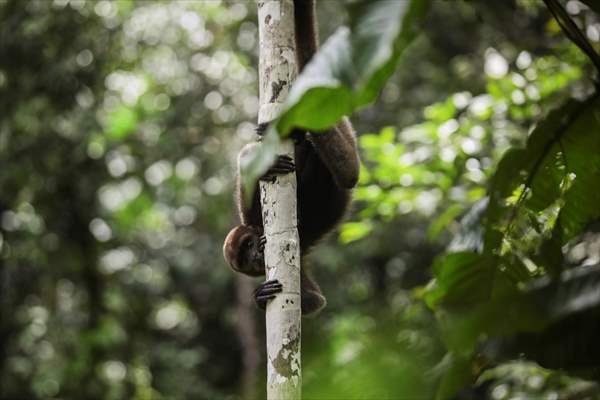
x: 277, y: 69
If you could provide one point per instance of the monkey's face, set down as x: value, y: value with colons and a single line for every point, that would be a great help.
x: 243, y: 252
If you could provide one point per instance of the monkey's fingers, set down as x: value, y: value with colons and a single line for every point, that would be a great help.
x: 267, y: 284
x: 267, y: 291
x: 285, y: 162
x: 262, y: 128
x: 285, y: 157
x: 280, y: 170
x: 271, y: 291
x: 268, y: 287
x: 277, y: 170
x: 261, y: 301
x: 264, y: 298
x: 267, y: 178
x: 261, y: 243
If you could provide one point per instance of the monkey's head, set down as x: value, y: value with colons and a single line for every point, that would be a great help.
x: 242, y: 250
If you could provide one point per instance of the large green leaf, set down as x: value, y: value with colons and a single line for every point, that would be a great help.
x: 256, y: 162
x: 462, y: 279
x: 456, y: 373
x: 561, y: 162
x: 471, y: 298
x: 575, y: 291
x: 570, y: 305
x: 353, y: 65
x: 347, y: 73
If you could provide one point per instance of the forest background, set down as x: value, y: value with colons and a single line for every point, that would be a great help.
x: 467, y: 267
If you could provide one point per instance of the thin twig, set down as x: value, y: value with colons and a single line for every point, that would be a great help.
x: 572, y: 31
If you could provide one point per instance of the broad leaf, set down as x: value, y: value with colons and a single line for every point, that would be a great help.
x: 570, y: 305
x: 576, y: 290
x: 353, y: 65
x: 557, y: 168
x: 461, y: 279
x: 456, y: 373
x: 347, y: 73
x: 256, y: 162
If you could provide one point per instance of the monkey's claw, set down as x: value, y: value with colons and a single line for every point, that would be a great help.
x: 267, y: 291
x: 284, y: 164
x: 261, y: 243
x: 261, y: 129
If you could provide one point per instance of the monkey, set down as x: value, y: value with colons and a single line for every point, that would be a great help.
x: 326, y: 166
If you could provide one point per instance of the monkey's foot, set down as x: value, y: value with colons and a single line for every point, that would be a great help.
x: 266, y: 291
x: 312, y: 302
x: 284, y: 164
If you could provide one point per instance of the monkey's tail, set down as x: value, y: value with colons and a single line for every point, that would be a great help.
x: 307, y: 35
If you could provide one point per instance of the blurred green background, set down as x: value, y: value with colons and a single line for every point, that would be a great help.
x: 120, y: 122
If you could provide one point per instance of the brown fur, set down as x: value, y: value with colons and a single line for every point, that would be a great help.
x: 327, y: 168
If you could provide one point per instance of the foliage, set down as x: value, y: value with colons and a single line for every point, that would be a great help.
x: 347, y: 72
x: 119, y: 126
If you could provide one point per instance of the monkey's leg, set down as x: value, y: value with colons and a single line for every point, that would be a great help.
x: 266, y: 291
x: 312, y: 299
x: 337, y: 150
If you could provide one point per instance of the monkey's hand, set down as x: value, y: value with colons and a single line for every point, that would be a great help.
x: 284, y: 164
x: 266, y: 291
x: 262, y: 241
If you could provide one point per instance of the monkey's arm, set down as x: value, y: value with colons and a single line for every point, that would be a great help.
x: 337, y: 150
x: 242, y: 248
x: 249, y: 212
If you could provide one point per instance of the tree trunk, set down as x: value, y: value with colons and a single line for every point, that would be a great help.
x: 277, y: 69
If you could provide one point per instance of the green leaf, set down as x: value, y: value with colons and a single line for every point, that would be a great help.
x: 575, y: 291
x: 462, y: 278
x: 352, y: 231
x: 470, y: 236
x: 441, y: 222
x: 457, y: 373
x: 121, y: 123
x: 353, y: 64
x: 560, y: 163
x: 256, y: 160
x: 570, y: 306
x: 582, y: 159
x: 506, y: 312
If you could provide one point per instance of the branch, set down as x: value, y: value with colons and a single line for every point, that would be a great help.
x: 277, y: 69
x: 572, y: 31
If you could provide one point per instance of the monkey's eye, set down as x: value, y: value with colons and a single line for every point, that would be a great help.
x: 250, y: 243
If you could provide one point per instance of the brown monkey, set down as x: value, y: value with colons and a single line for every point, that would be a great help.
x: 326, y: 166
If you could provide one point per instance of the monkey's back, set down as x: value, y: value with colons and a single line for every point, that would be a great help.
x: 321, y: 202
